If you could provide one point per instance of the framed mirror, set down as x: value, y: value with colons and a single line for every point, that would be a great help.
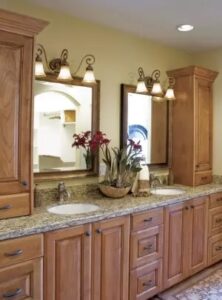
x: 145, y: 120
x: 61, y: 110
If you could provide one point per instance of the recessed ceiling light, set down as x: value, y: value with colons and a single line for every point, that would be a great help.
x: 185, y: 27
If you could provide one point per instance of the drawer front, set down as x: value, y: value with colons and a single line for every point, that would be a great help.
x: 215, y: 249
x: 22, y: 282
x: 14, y: 205
x: 148, y: 219
x: 146, y: 281
x: 203, y: 178
x: 21, y: 249
x: 216, y: 200
x: 215, y: 221
x: 146, y: 246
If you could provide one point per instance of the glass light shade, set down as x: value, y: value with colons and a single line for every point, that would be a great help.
x: 89, y: 77
x: 157, y: 90
x: 39, y: 69
x: 141, y: 87
x: 64, y: 73
x: 157, y: 99
x: 170, y: 94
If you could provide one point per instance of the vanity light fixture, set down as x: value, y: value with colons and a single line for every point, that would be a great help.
x: 185, y: 27
x: 151, y: 85
x: 61, y: 66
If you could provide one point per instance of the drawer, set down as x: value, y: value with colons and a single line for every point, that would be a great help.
x: 146, y: 246
x: 215, y: 221
x: 21, y: 249
x: 147, y: 219
x: 203, y: 178
x: 22, y: 281
x: 146, y: 281
x: 216, y: 200
x: 14, y: 205
x: 214, y: 249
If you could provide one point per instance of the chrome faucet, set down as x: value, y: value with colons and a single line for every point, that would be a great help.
x: 63, y: 194
x: 154, y: 181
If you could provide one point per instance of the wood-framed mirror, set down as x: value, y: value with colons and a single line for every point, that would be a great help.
x: 145, y: 120
x: 62, y: 109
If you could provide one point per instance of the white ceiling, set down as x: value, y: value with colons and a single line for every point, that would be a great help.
x: 153, y: 19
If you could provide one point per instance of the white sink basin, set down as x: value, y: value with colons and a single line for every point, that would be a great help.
x: 167, y: 191
x: 72, y: 209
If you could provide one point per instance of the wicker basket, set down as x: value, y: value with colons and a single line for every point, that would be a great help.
x: 114, y: 192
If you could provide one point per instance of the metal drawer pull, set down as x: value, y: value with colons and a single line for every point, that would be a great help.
x: 148, y: 283
x: 148, y: 220
x: 11, y: 294
x: 219, y: 199
x: 149, y: 247
x: 218, y: 248
x: 14, y: 253
x: 218, y: 220
x: 5, y: 207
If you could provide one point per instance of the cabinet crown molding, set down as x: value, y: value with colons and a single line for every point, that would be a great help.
x: 20, y: 24
x: 193, y: 70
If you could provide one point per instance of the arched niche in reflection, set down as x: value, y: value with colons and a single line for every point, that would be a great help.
x: 145, y: 120
x: 61, y: 110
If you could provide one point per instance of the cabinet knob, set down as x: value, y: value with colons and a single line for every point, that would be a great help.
x: 11, y: 294
x: 186, y: 207
x: 24, y: 183
x: 87, y: 233
x: 218, y: 220
x: 98, y: 230
x: 192, y: 206
x: 17, y: 252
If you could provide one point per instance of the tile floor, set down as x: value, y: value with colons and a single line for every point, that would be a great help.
x: 206, y: 285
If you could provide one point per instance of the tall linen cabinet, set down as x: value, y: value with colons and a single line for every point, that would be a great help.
x: 191, y: 126
x: 17, y: 35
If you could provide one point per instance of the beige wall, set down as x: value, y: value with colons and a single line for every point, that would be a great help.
x: 213, y: 60
x: 118, y: 55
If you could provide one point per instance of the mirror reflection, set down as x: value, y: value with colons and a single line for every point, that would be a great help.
x: 60, y: 110
x: 144, y: 120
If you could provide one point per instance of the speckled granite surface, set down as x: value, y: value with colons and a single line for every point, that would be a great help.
x: 42, y: 221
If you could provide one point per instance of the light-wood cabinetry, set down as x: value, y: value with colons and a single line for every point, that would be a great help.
x: 21, y: 268
x: 67, y: 264
x: 191, y: 126
x: 185, y: 249
x: 111, y: 259
x: 16, y: 63
x: 215, y: 229
x: 146, y: 252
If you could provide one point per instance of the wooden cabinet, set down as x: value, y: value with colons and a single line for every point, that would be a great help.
x: 67, y: 264
x: 21, y: 268
x: 191, y: 126
x: 111, y: 259
x: 146, y: 252
x: 16, y: 63
x: 185, y: 249
x: 215, y: 229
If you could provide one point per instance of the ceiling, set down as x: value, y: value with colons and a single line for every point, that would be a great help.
x: 153, y: 19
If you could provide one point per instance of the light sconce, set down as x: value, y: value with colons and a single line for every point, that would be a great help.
x: 61, y: 66
x: 151, y: 85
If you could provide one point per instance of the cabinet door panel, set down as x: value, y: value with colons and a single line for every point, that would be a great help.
x: 111, y: 259
x: 15, y: 112
x: 68, y: 264
x: 198, y: 235
x: 174, y: 245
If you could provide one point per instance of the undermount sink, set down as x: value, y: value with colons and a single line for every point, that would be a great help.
x: 72, y: 209
x: 167, y: 191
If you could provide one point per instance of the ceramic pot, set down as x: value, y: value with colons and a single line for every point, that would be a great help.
x: 114, y: 192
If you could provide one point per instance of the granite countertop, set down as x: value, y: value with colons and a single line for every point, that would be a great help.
x: 43, y: 221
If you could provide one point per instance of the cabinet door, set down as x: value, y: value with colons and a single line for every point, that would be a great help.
x: 22, y: 281
x: 174, y: 248
x: 203, y: 125
x: 198, y: 234
x: 16, y: 64
x: 111, y: 259
x: 67, y: 264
